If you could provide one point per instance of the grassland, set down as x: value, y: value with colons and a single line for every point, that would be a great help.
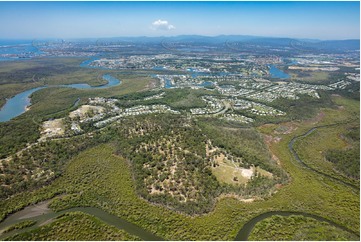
x: 315, y: 77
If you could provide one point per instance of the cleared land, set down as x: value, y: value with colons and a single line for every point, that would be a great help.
x: 310, y: 76
x: 52, y: 128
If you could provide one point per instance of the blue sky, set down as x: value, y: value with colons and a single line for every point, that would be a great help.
x: 321, y: 20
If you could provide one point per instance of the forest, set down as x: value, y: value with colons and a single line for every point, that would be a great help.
x: 178, y: 176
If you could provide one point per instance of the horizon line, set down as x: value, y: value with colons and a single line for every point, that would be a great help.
x: 180, y: 35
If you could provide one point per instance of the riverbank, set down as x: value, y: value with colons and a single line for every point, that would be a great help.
x: 21, y: 102
x: 42, y: 215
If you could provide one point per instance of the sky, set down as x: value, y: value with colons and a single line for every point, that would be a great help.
x: 315, y: 20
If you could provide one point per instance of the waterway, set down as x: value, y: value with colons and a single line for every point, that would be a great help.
x: 246, y: 230
x: 248, y: 227
x: 112, y: 81
x: 17, y: 105
x: 296, y: 156
x: 87, y: 63
x: 43, y: 215
x: 277, y: 73
x: 11, y: 50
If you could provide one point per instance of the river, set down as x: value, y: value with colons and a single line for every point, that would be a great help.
x: 246, y: 230
x: 248, y: 227
x: 43, y: 215
x: 296, y: 156
x: 17, y: 105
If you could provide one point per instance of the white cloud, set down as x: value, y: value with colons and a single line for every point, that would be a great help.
x: 162, y: 25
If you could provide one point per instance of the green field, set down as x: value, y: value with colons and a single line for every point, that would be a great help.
x: 315, y: 77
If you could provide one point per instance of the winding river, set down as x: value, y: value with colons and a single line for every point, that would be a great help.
x: 43, y: 215
x: 295, y: 155
x: 246, y: 230
x: 248, y: 227
x: 17, y: 105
